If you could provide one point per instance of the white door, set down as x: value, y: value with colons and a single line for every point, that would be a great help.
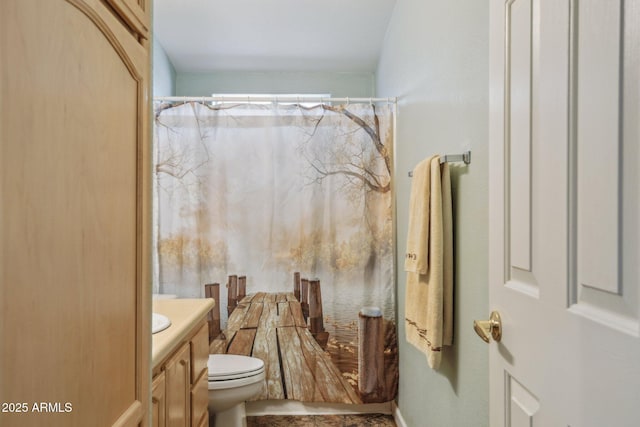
x: 564, y: 212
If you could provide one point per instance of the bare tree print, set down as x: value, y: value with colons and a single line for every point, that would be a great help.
x: 359, y: 166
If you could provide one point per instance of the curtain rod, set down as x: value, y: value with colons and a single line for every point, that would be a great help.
x: 235, y: 98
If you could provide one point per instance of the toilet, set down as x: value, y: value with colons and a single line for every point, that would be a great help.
x: 233, y: 379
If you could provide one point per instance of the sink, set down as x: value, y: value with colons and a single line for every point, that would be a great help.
x: 159, y: 322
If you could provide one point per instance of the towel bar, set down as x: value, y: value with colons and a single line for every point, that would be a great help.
x: 448, y: 158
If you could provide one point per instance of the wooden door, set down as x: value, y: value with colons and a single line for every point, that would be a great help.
x: 74, y: 295
x: 565, y: 212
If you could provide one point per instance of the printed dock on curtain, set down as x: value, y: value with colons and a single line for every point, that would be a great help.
x: 289, y: 209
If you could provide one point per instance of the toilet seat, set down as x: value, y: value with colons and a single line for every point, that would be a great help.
x: 240, y: 382
x: 230, y: 370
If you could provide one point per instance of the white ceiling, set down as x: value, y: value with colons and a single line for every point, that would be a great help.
x: 272, y: 35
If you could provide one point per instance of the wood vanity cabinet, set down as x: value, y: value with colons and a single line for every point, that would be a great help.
x: 180, y: 394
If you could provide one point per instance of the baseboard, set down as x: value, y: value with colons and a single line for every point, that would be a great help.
x: 397, y: 415
x: 293, y: 407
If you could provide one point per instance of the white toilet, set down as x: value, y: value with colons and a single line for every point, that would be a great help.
x: 233, y: 379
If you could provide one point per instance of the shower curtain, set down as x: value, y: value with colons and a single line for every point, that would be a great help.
x: 266, y: 190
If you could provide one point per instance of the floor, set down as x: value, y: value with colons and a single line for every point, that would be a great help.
x: 366, y: 420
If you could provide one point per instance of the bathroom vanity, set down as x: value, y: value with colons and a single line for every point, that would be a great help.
x: 179, y: 364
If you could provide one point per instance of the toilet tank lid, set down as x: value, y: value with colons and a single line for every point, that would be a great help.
x: 231, y: 364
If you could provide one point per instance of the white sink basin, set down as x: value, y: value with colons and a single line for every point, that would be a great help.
x: 159, y: 322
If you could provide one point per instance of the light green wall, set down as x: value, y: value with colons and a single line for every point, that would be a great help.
x: 275, y: 82
x: 164, y: 75
x: 435, y: 58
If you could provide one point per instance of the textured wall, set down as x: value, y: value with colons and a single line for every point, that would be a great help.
x: 436, y: 59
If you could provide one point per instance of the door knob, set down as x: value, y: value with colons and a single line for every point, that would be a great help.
x: 489, y: 328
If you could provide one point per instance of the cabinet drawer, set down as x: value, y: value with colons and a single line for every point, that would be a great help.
x: 199, y: 352
x: 200, y: 399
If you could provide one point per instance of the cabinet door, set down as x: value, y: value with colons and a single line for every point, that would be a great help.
x: 158, y: 401
x: 135, y: 13
x: 178, y: 388
x: 199, y: 377
x: 199, y: 352
x: 200, y: 397
x: 75, y: 289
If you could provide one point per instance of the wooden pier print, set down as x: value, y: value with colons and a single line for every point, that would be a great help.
x: 272, y: 327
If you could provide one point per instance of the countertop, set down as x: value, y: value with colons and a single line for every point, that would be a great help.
x: 184, y: 314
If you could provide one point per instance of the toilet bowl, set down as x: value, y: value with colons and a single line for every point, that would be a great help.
x: 233, y: 379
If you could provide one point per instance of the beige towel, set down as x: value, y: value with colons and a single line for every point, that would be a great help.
x: 429, y: 295
x: 416, y: 257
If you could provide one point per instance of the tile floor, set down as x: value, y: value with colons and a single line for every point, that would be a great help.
x: 365, y: 420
